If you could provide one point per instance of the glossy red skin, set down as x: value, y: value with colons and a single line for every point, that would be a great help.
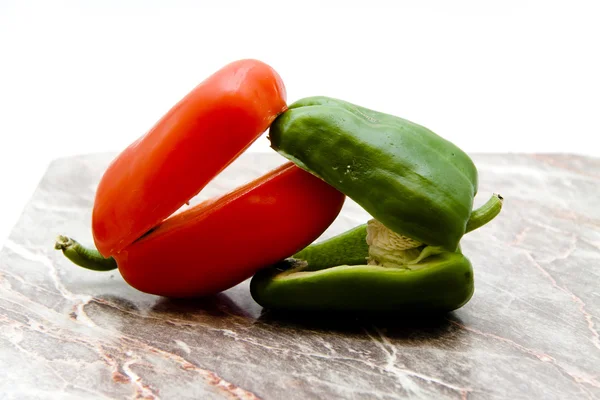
x: 220, y: 243
x: 186, y: 149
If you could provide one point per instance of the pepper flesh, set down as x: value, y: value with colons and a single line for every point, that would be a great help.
x: 193, y: 142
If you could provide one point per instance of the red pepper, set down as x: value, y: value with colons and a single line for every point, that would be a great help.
x: 221, y: 242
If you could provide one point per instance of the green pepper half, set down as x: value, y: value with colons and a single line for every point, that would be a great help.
x: 415, y: 182
x: 334, y: 275
x: 440, y: 283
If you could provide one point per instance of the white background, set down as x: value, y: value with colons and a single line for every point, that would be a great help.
x: 501, y: 76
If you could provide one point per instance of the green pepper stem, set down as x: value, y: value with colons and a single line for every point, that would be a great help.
x: 83, y: 256
x: 485, y: 213
x: 348, y: 248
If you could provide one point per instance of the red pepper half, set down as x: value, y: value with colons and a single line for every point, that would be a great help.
x: 186, y: 149
x: 221, y: 242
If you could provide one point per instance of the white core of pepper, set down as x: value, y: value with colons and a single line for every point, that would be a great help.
x: 389, y: 249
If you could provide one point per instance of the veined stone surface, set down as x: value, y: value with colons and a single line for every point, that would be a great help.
x: 530, y: 331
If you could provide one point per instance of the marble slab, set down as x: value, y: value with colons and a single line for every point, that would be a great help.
x: 530, y: 331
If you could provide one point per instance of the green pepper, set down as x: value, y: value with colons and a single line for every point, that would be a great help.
x: 418, y: 187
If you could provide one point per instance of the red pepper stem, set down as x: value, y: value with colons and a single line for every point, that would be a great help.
x: 83, y: 256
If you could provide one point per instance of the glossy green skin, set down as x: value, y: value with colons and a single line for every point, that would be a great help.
x: 412, y: 180
x: 442, y: 283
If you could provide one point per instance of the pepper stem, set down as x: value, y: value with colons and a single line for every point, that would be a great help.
x: 485, y: 213
x: 83, y: 256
